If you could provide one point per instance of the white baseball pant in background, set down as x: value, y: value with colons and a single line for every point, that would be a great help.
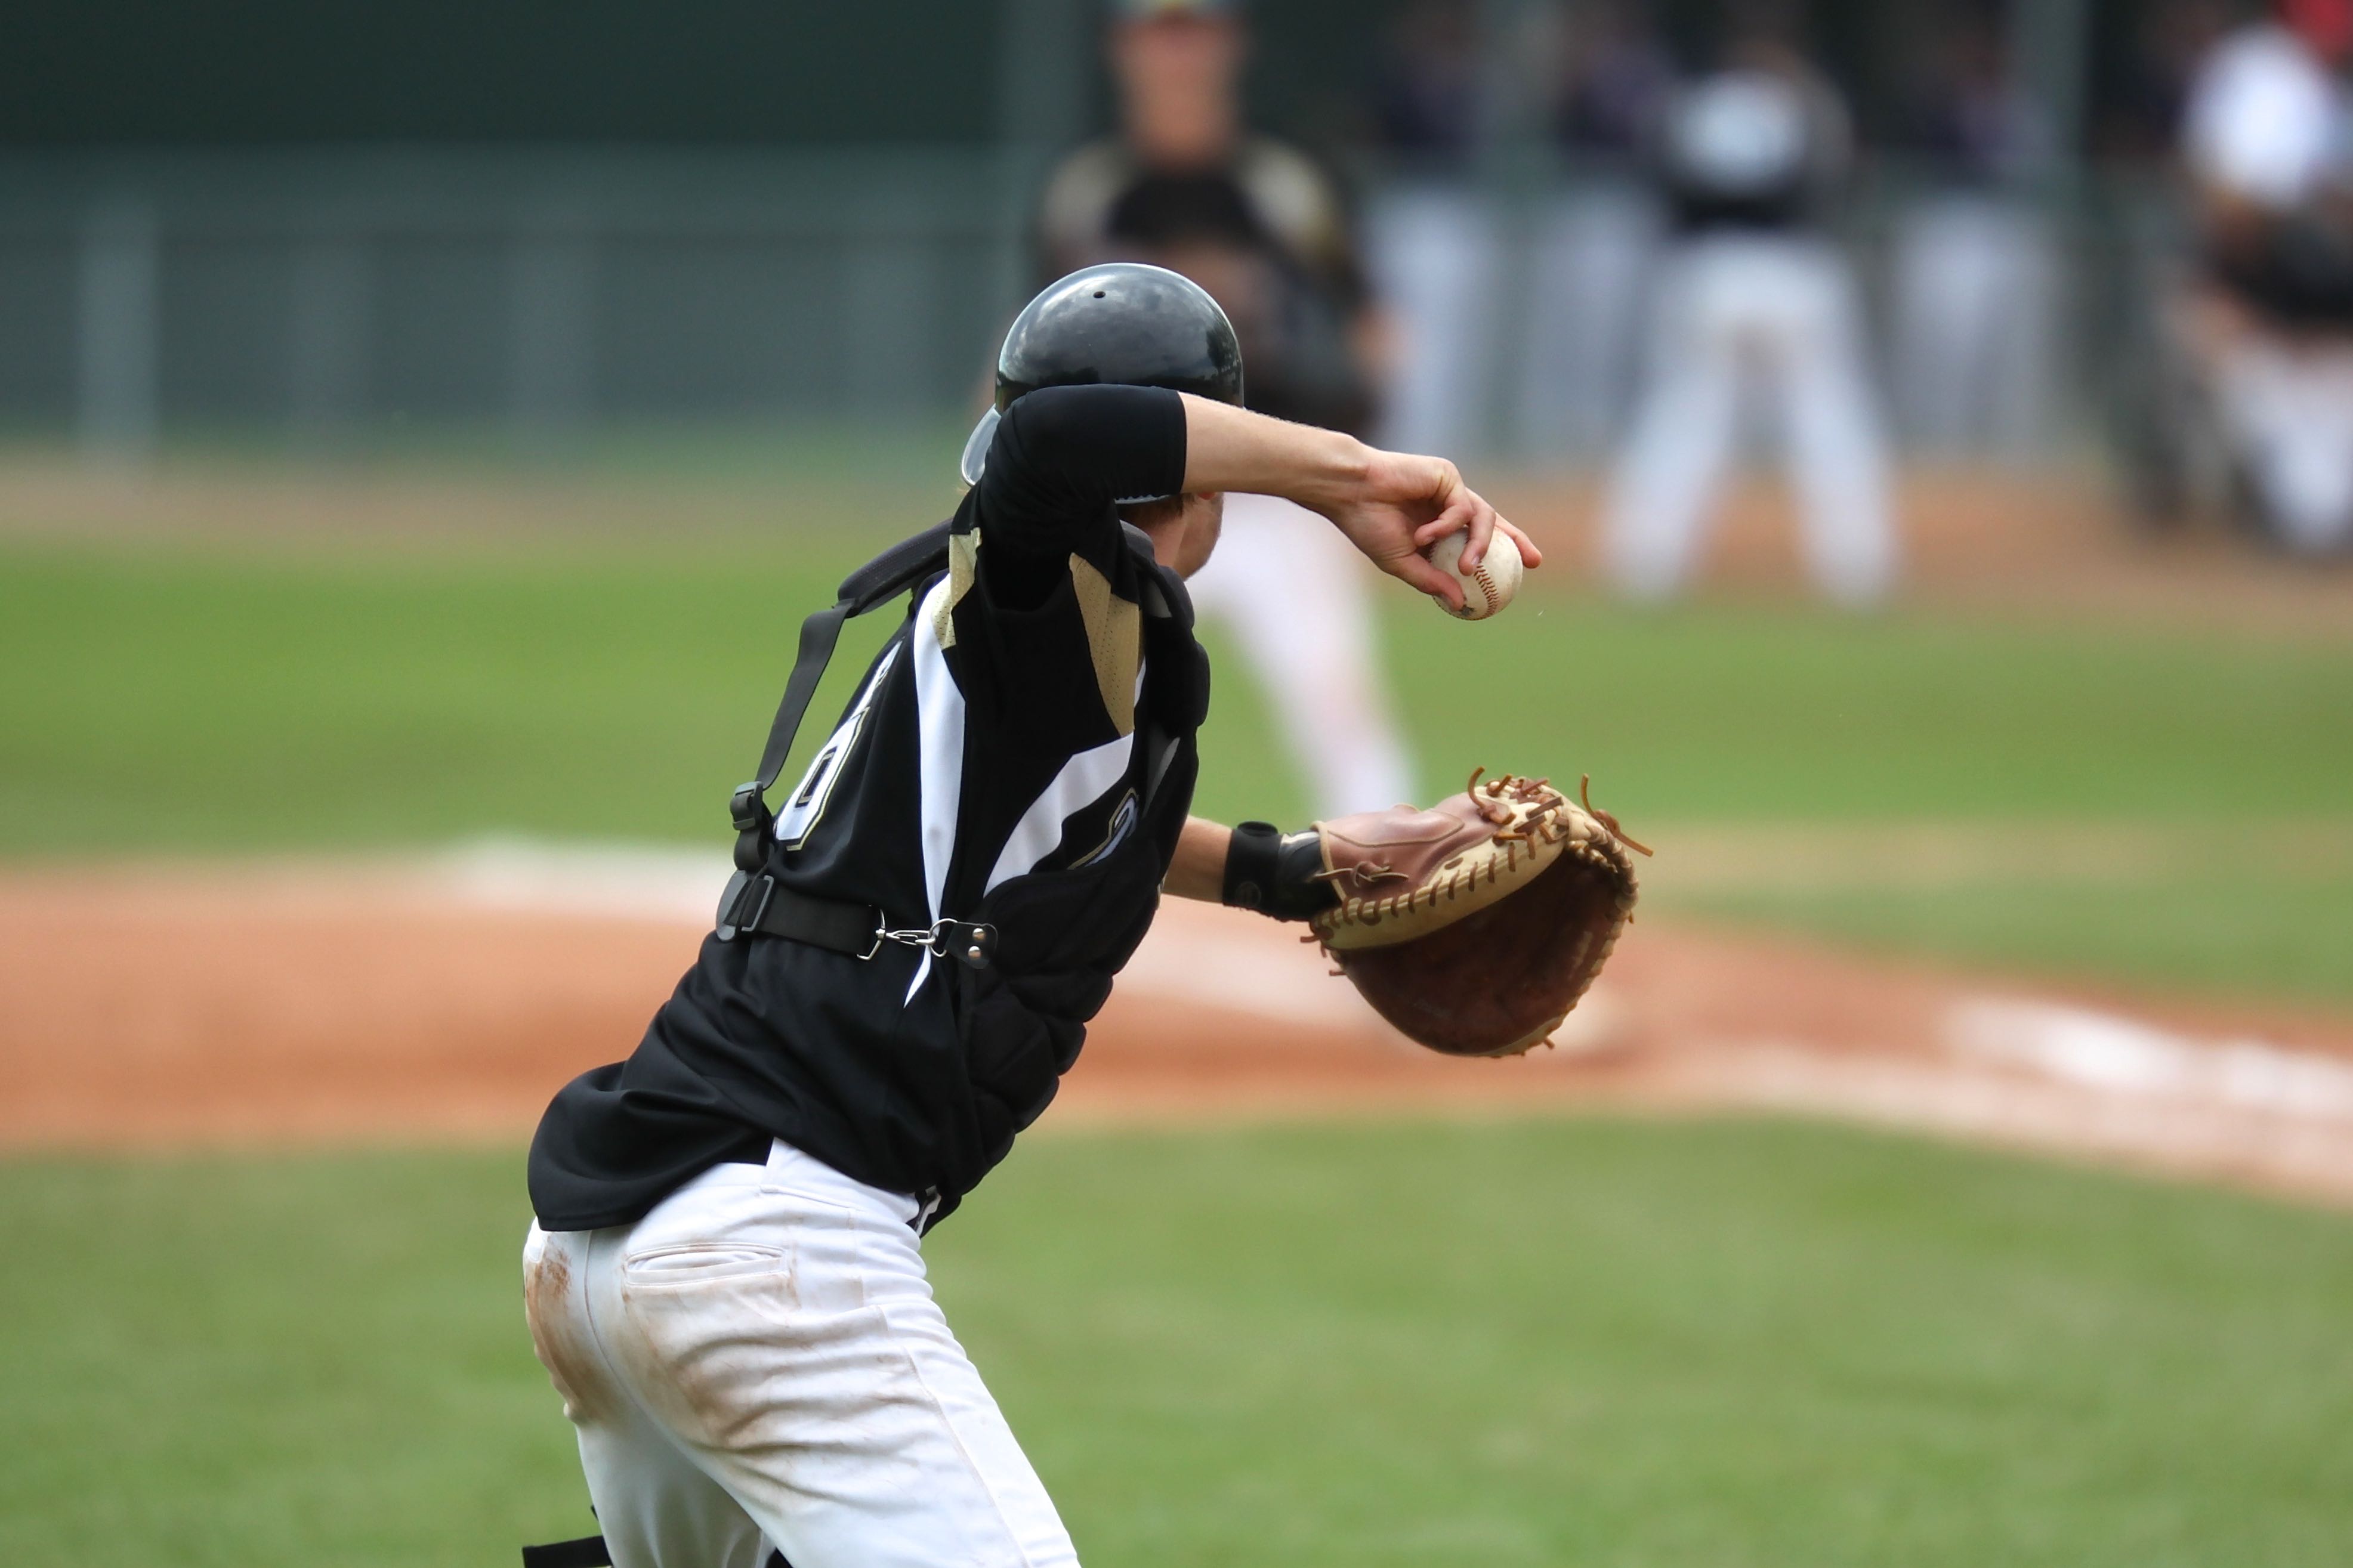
x: 1436, y: 258
x: 758, y: 1363
x: 1297, y: 597
x: 1976, y: 310
x: 1589, y: 265
x: 2287, y: 412
x: 1768, y: 324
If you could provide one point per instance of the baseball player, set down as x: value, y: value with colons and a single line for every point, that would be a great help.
x: 725, y: 1281
x: 1265, y: 230
x: 1758, y: 315
x: 2267, y: 326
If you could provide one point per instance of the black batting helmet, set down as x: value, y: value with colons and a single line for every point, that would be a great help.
x: 1119, y: 324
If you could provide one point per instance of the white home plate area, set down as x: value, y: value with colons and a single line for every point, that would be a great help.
x: 306, y: 1003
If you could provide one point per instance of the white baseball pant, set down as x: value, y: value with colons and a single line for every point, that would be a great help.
x: 758, y: 1364
x: 1976, y: 306
x: 1773, y: 319
x: 2287, y: 412
x: 1436, y: 256
x: 1297, y: 597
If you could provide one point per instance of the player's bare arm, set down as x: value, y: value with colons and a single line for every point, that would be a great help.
x: 1392, y: 506
x: 1198, y: 870
x: 1254, y: 865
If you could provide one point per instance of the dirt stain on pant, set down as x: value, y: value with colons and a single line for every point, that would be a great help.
x: 558, y: 1327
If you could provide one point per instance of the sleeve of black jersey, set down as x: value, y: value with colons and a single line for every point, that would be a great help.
x: 1064, y: 455
x: 1044, y: 637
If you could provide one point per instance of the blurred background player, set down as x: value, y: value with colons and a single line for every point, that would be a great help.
x: 1757, y: 319
x: 1973, y: 275
x: 2264, y: 327
x: 1266, y: 229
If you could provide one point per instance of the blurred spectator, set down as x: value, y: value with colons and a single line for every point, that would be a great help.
x: 1426, y: 98
x: 2261, y: 131
x: 2169, y: 39
x: 1962, y: 111
x: 1432, y: 242
x: 1266, y: 229
x: 1591, y: 248
x: 1757, y: 317
x: 1617, y: 76
x: 2265, y: 330
x: 1973, y: 272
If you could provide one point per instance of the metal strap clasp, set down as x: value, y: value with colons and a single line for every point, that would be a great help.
x: 969, y: 943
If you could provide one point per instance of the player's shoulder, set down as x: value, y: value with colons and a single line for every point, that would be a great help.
x: 1082, y: 189
x: 1298, y: 195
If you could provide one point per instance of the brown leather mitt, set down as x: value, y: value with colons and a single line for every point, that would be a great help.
x: 1474, y: 926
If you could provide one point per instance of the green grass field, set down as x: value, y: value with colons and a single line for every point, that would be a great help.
x: 1587, y: 1342
x: 225, y: 699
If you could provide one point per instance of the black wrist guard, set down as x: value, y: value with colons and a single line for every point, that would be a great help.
x: 1274, y: 872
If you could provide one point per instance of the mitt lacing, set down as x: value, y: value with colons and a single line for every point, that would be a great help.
x: 1363, y: 870
x: 1584, y: 794
x: 1520, y: 811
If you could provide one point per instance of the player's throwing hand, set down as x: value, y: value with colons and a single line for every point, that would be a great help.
x: 1392, y: 506
x: 1408, y: 504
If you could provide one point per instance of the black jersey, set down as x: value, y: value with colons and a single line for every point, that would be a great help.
x: 2296, y: 269
x: 1019, y: 753
x: 1758, y: 150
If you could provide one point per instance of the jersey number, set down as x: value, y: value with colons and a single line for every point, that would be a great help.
x: 801, y: 814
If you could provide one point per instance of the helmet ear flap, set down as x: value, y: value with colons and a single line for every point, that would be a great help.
x: 976, y: 447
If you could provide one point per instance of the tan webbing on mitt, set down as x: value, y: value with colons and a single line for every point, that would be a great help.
x: 1474, y: 926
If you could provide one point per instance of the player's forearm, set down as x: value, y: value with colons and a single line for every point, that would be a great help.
x: 1229, y: 448
x: 1252, y: 867
x: 1199, y: 869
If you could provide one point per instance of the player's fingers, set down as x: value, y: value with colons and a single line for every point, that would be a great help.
x: 1419, y: 571
x: 1454, y: 519
x: 1529, y: 553
x: 1463, y: 517
x: 1482, y: 528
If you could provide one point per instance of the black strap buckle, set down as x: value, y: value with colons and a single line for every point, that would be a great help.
x: 734, y: 920
x: 969, y: 943
x: 748, y: 809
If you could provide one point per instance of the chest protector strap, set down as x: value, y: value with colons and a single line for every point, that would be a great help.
x: 895, y: 572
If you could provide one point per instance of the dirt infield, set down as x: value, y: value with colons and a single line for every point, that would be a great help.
x: 308, y: 1006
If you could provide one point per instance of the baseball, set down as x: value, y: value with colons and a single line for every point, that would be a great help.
x: 1486, y: 591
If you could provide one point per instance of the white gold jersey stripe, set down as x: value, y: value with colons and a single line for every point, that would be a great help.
x: 1084, y: 779
x: 939, y: 708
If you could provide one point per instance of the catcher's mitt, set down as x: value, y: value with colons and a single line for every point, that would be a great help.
x: 1474, y: 926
